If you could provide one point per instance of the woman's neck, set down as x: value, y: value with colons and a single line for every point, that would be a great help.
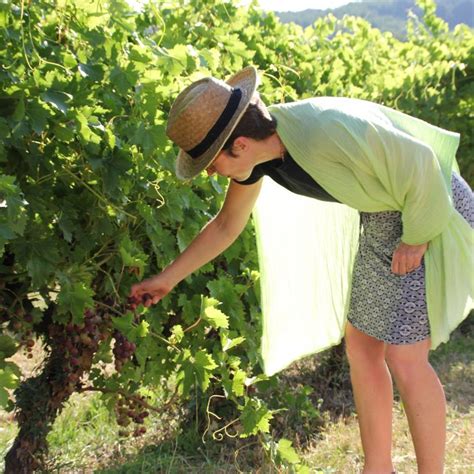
x: 269, y: 149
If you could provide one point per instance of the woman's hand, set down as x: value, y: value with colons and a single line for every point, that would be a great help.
x: 151, y: 290
x: 407, y: 258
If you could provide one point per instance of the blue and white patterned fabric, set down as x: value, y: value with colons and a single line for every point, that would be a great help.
x: 390, y: 307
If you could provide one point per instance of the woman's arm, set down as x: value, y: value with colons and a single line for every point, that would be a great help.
x: 215, y: 237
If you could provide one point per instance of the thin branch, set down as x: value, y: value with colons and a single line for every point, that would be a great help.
x: 126, y: 395
x: 193, y: 325
x: 98, y: 195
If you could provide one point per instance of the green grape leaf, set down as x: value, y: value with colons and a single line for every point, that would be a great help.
x: 185, y: 376
x: 6, y: 232
x: 8, y: 346
x: 38, y: 115
x: 8, y: 379
x: 303, y: 469
x: 224, y: 290
x: 210, y: 58
x: 238, y: 383
x: 145, y: 349
x: 19, y: 113
x: 63, y: 133
x: 142, y: 329
x: 84, y: 131
x: 203, y: 365
x: 57, y: 99
x: 185, y: 379
x: 124, y: 323
x: 131, y: 254
x: 104, y: 353
x: 177, y: 334
x: 216, y: 318
x: 228, y: 343
x: 92, y: 72
x: 204, y: 360
x: 287, y: 452
x: 75, y: 298
x: 255, y: 417
x: 4, y: 128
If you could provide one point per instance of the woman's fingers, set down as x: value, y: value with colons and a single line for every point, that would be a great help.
x: 136, y: 290
x: 150, y: 291
x: 407, y: 258
x: 402, y: 265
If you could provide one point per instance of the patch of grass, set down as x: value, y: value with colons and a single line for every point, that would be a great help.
x: 175, y: 457
x: 339, y: 450
x: 86, y: 435
x: 454, y: 363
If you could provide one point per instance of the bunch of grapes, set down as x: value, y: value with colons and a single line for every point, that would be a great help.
x: 123, y: 350
x: 130, y: 410
x: 78, y: 343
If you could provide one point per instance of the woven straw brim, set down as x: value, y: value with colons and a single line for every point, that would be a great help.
x: 187, y: 167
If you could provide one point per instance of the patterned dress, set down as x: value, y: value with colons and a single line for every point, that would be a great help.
x: 389, y: 307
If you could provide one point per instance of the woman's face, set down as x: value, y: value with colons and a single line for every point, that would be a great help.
x: 236, y: 167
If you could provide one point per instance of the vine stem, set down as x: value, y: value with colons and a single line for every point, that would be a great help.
x: 111, y: 281
x: 193, y: 325
x: 161, y: 338
x: 104, y: 245
x: 22, y: 12
x: 163, y: 24
x: 115, y: 117
x: 98, y: 195
x: 17, y: 298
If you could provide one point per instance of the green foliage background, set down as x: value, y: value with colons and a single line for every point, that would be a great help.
x: 87, y: 188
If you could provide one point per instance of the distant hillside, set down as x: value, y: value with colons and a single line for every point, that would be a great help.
x: 389, y: 15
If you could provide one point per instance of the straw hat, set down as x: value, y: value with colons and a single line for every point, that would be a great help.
x: 203, y: 117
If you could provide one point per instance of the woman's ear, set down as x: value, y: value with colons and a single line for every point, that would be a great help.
x: 240, y: 144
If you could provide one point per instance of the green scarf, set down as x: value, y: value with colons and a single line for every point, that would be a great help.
x: 372, y: 159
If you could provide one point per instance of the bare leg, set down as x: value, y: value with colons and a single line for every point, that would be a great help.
x: 373, y: 396
x: 424, y: 402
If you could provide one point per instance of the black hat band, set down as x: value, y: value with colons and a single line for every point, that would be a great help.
x: 219, y: 126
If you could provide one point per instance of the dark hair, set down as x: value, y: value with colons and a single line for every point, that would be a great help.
x: 256, y: 123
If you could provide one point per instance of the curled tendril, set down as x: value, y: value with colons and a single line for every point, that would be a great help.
x: 218, y: 436
x: 208, y: 414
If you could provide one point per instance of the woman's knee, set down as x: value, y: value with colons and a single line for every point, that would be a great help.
x: 362, y: 348
x: 406, y: 361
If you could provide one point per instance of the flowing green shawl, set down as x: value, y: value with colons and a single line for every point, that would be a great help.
x: 371, y: 158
